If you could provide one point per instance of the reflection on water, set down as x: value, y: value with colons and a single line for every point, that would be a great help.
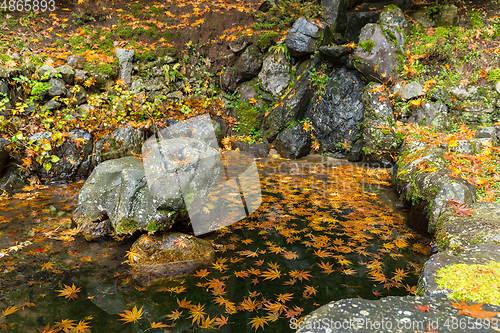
x: 321, y: 234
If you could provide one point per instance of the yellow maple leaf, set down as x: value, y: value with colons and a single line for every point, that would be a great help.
x: 271, y: 274
x: 10, y: 310
x: 131, y: 316
x: 258, y: 322
x: 65, y: 325
x: 69, y: 292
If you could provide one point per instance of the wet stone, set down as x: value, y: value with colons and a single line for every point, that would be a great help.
x: 474, y: 254
x: 169, y: 255
x: 483, y: 226
x: 389, y: 314
x: 91, y: 229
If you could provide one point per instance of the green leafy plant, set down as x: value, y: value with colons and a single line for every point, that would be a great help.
x: 279, y: 49
x: 319, y: 78
x: 368, y: 45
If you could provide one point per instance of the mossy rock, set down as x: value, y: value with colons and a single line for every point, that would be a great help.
x: 266, y: 40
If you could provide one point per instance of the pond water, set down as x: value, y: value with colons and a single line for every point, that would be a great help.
x: 326, y: 230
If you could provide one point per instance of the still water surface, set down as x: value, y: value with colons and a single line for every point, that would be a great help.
x: 326, y: 230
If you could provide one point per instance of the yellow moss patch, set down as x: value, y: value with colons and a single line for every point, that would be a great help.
x: 477, y: 283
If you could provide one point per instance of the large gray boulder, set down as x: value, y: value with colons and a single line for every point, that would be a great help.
x: 181, y: 167
x: 293, y: 142
x: 274, y: 76
x: 337, y: 113
x: 117, y: 190
x: 335, y: 14
x: 380, y: 140
x: 395, y: 26
x: 306, y: 36
x: 375, y: 56
x: 294, y: 105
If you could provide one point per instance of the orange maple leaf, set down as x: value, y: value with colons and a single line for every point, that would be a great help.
x: 473, y: 310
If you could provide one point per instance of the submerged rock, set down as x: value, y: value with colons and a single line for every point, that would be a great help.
x: 168, y: 255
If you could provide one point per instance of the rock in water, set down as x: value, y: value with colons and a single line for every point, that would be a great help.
x: 168, y: 255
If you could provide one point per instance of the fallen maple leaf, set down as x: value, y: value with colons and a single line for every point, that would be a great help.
x: 131, y: 316
x: 69, y: 292
x: 473, y: 310
x: 10, y: 310
x: 424, y: 308
x: 258, y: 322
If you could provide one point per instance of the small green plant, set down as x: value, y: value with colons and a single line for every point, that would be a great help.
x: 368, y: 45
x: 494, y: 75
x: 233, y: 99
x: 278, y: 50
x: 171, y: 73
x: 475, y: 19
x: 319, y: 79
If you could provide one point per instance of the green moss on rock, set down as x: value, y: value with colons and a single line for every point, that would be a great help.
x: 368, y: 45
x: 476, y: 282
x: 126, y: 226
